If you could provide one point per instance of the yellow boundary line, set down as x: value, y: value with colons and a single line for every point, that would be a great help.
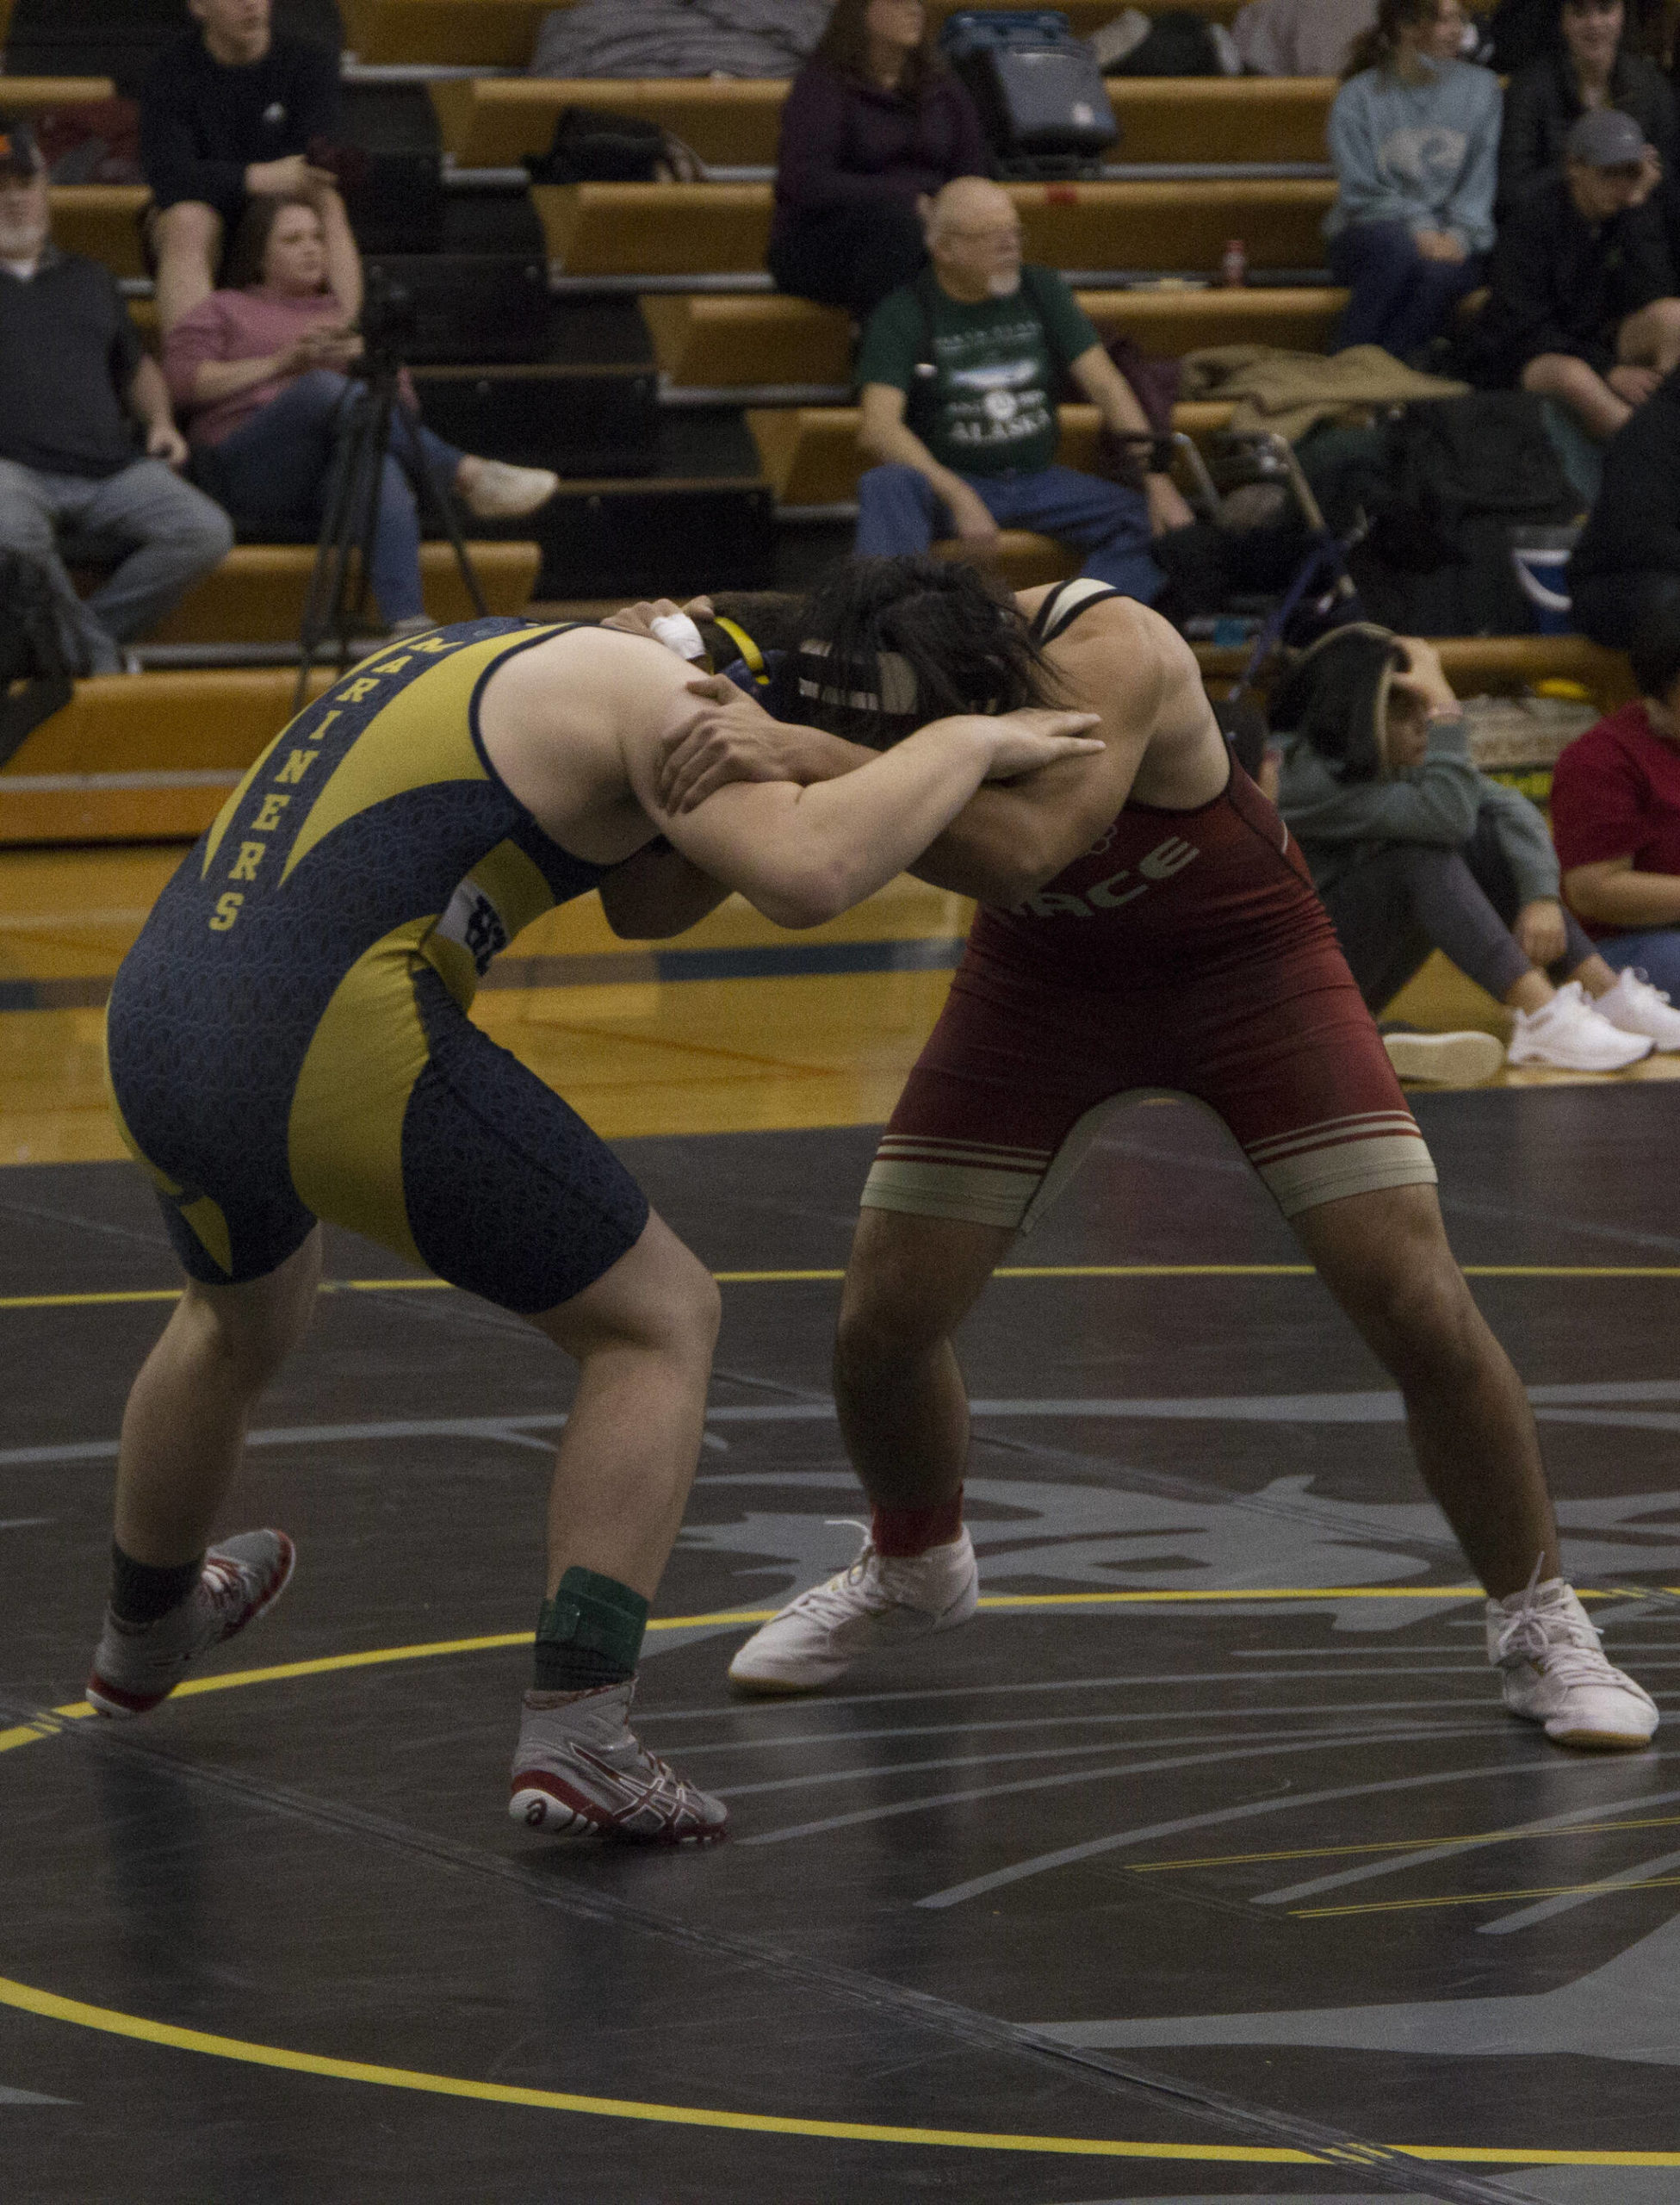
x: 1484, y: 1898
x: 46, y: 2005
x: 49, y: 2006
x: 808, y: 1277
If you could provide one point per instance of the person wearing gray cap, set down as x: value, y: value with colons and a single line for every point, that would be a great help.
x: 87, y: 441
x: 1581, y: 304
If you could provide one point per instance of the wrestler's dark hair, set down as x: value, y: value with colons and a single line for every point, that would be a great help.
x: 888, y: 645
x: 1655, y: 656
x: 1335, y: 695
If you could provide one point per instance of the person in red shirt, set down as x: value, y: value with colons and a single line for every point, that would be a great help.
x: 1615, y: 819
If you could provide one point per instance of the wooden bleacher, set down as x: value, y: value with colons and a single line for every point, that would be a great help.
x: 716, y: 341
x: 494, y: 122
x: 689, y: 229
x: 811, y: 457
x: 500, y: 33
x: 36, y: 94
x: 101, y: 221
x: 257, y: 595
x: 141, y: 758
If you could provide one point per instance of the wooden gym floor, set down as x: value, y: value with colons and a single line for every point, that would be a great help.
x: 1204, y: 1866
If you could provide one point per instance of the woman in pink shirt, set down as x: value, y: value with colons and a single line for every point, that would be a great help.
x: 259, y: 373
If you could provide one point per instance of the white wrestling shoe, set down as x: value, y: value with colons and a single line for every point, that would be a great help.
x: 135, y: 1665
x: 580, y: 1771
x: 1569, y: 1033
x: 1635, y: 1006
x: 876, y: 1606
x: 1451, y: 1060
x: 1557, y: 1675
x: 496, y: 491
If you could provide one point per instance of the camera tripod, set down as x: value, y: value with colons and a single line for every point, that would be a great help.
x: 341, y: 581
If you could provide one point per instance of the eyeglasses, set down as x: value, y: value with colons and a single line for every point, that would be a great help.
x: 1010, y: 237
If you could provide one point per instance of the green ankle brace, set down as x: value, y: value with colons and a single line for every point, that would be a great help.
x: 589, y: 1634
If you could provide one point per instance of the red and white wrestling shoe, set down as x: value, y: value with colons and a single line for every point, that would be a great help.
x: 580, y: 1771
x: 137, y: 1665
x: 878, y: 1605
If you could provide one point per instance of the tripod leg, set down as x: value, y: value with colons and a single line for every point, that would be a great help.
x: 425, y: 476
x: 376, y: 427
x: 322, y: 612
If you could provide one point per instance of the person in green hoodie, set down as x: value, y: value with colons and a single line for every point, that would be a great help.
x: 1413, y: 850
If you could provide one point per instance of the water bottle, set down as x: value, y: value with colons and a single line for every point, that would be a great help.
x: 1234, y: 265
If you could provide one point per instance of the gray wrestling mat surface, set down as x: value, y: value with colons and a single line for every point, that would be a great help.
x: 1237, y: 1885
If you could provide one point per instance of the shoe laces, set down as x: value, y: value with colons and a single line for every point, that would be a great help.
x: 837, y: 1597
x: 1558, y: 1642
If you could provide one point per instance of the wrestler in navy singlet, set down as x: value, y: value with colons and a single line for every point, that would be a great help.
x: 287, y: 1038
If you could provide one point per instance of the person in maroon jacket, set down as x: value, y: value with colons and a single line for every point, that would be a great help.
x: 1615, y: 819
x: 873, y: 128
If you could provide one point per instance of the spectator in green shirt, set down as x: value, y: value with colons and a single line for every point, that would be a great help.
x: 958, y: 373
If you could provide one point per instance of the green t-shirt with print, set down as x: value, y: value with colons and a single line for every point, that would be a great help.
x: 980, y: 381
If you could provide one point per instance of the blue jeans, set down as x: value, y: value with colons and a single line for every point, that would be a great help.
x: 1656, y: 954
x: 898, y: 512
x: 1400, y: 300
x: 271, y: 474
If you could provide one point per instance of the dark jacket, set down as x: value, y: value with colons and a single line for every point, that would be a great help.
x: 70, y: 417
x: 1541, y: 103
x: 202, y: 125
x: 1634, y: 527
x: 1558, y: 285
x: 846, y: 145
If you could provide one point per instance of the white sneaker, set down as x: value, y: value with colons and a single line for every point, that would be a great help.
x: 496, y: 491
x: 876, y: 1605
x: 1452, y: 1060
x: 1556, y: 1673
x: 1568, y: 1033
x: 1635, y: 1006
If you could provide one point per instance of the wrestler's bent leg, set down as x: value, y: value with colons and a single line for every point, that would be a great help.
x: 904, y: 1415
x: 183, y: 1433
x: 1385, y: 1257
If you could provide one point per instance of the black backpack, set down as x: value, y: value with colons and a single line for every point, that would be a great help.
x: 594, y: 145
x: 35, y: 681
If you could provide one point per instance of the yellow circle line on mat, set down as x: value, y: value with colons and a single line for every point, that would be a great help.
x: 48, y: 2006
x: 27, y: 1734
x: 806, y: 1277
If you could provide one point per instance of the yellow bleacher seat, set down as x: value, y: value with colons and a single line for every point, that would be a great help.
x: 493, y: 122
x: 500, y: 33
x: 717, y: 340
x: 103, y: 221
x: 809, y: 453
x: 35, y: 94
x: 678, y: 229
x: 257, y: 595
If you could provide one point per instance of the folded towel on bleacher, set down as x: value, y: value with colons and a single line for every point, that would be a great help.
x: 1288, y: 392
x: 679, y: 38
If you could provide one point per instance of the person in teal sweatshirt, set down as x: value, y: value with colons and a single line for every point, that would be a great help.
x: 1413, y: 850
x: 1414, y: 135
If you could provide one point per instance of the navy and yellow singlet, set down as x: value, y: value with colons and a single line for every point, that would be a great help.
x: 287, y: 1038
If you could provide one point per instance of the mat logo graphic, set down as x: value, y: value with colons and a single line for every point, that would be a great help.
x: 1162, y: 863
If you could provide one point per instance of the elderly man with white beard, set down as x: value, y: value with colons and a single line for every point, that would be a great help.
x: 958, y: 373
x: 87, y: 439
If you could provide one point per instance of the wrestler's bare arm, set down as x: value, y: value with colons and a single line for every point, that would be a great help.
x: 1135, y: 670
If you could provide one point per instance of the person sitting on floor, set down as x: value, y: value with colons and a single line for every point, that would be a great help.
x: 1414, y: 135
x: 1616, y: 817
x: 1412, y: 850
x: 959, y: 372
x: 1581, y: 291
x: 229, y: 109
x: 260, y: 370
x: 871, y: 128
x: 74, y: 383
